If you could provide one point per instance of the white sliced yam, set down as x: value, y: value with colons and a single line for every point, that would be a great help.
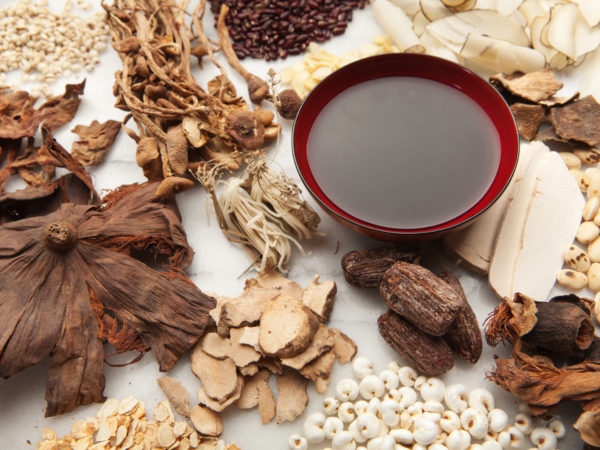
x: 419, y: 23
x: 502, y: 56
x: 532, y: 9
x: 561, y: 29
x: 505, y: 7
x: 587, y: 39
x: 551, y: 225
x: 435, y: 47
x: 559, y: 61
x: 446, y: 33
x: 410, y: 7
x: 395, y: 23
x: 590, y: 74
x: 510, y: 231
x: 475, y: 244
x: 434, y: 9
x: 454, y: 3
x: 590, y: 9
x: 535, y: 28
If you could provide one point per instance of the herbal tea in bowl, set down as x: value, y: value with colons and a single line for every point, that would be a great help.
x: 405, y: 146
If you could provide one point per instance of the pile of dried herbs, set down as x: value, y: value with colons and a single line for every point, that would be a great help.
x: 555, y: 356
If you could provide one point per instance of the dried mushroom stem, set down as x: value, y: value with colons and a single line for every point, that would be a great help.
x: 258, y: 89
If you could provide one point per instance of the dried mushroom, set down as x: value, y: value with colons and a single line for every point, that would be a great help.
x: 84, y: 250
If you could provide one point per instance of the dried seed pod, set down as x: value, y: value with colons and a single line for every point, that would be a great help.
x: 244, y: 127
x: 464, y: 335
x: 173, y: 185
x: 425, y: 300
x: 177, y: 149
x: 428, y: 354
x: 365, y: 268
x: 288, y: 103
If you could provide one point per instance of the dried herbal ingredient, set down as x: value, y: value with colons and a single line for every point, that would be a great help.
x: 95, y: 141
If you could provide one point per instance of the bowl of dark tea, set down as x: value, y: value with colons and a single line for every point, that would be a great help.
x: 405, y: 146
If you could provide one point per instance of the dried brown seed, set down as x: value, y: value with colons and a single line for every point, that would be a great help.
x: 422, y: 298
x: 173, y: 185
x: 177, y: 150
x: 365, y: 268
x: 428, y: 354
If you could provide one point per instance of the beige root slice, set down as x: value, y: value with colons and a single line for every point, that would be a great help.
x: 241, y: 354
x: 319, y: 371
x: 249, y: 370
x: 322, y: 341
x: 249, y: 337
x: 206, y: 421
x: 343, y: 347
x: 218, y: 376
x: 251, y: 390
x: 274, y: 280
x: 178, y: 396
x: 319, y: 297
x: 216, y: 346
x: 291, y: 397
x: 220, y: 406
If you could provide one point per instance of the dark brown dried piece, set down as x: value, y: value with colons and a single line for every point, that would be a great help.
x: 422, y: 298
x: 464, y: 335
x: 533, y: 86
x: 428, y: 354
x: 244, y: 127
x: 288, y: 103
x: 177, y: 150
x: 365, y: 268
x: 529, y: 119
x: 96, y: 140
x: 592, y: 353
x: 578, y: 121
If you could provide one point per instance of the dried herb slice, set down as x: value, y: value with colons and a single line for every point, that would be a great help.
x: 529, y: 119
x: 96, y: 140
x: 578, y: 121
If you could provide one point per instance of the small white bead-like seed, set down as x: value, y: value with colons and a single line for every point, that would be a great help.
x: 449, y: 421
x: 512, y: 438
x: 361, y: 367
x: 523, y: 422
x: 591, y: 208
x: 456, y: 397
x: 390, y: 379
x: 544, y: 438
x: 481, y: 399
x: 419, y: 382
x: 593, y: 250
x: 371, y: 386
x: 458, y: 440
x: 557, y: 427
x: 587, y: 232
x: 437, y: 446
x: 346, y: 412
x: 343, y: 441
x: 571, y: 279
x: 361, y: 407
x: 389, y: 411
x: 313, y: 428
x: 425, y: 431
x: 297, y: 442
x: 433, y: 390
x: 368, y: 425
x: 433, y: 407
x: 498, y: 420
x: 593, y: 276
x: 475, y: 421
x: 407, y: 396
x: 374, y: 404
x: 576, y: 259
x: 332, y: 426
x: 434, y: 417
x: 402, y: 436
x: 330, y: 405
x: 490, y: 444
x: 346, y: 389
x: 357, y: 435
x: 393, y: 366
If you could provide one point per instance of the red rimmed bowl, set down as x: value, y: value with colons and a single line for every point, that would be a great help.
x: 405, y: 146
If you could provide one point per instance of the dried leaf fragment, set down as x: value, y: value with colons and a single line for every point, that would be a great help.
x: 178, y: 396
x: 95, y: 141
x: 291, y: 396
x: 206, y: 421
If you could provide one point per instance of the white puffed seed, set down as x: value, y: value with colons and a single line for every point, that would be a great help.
x: 571, y: 161
x: 523, y: 422
x: 434, y: 417
x: 313, y: 428
x: 374, y: 404
x: 437, y: 446
x: 332, y: 426
x: 381, y: 443
x: 402, y: 436
x: 297, y: 442
x: 456, y: 397
x: 425, y: 431
x: 449, y: 421
x: 458, y: 440
x: 357, y: 435
x: 591, y: 208
x: 407, y: 396
x: 557, y: 427
x: 571, y: 279
x: 511, y: 439
x: 361, y: 367
x: 432, y: 406
x: 544, y: 438
x: 393, y: 366
x: 346, y: 389
x: 368, y: 425
x: 593, y: 250
x: 433, y: 390
x: 419, y: 382
x: 343, y: 441
x: 490, y: 445
x: 498, y: 420
x: 577, y: 259
x: 390, y: 379
x: 407, y: 376
x: 330, y: 405
x: 475, y: 421
x: 481, y: 399
x: 389, y: 411
x: 371, y: 386
x: 361, y: 407
x: 587, y: 232
x: 594, y: 186
x: 346, y: 412
x: 593, y: 276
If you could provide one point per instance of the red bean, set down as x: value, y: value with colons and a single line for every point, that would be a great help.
x: 272, y: 29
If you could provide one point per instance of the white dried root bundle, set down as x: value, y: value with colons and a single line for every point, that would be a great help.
x: 266, y: 214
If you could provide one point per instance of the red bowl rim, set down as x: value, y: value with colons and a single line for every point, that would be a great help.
x: 418, y: 65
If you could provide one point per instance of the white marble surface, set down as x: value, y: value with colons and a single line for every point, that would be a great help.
x: 217, y: 267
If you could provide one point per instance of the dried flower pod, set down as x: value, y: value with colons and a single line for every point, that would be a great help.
x: 428, y: 354
x: 177, y: 149
x: 419, y: 296
x: 365, y: 268
x: 288, y: 103
x: 244, y: 127
x: 173, y: 185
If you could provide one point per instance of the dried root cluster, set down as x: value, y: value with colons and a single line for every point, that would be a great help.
x: 274, y: 328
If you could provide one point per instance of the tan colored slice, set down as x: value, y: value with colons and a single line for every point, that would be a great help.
x: 319, y: 297
x: 344, y: 348
x: 241, y: 354
x: 178, y: 396
x: 219, y: 406
x: 218, y: 376
x: 252, y: 388
x: 322, y: 341
x: 291, y: 396
x: 206, y: 421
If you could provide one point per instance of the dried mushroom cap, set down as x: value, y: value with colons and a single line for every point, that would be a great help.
x: 568, y: 122
x: 206, y: 421
x: 173, y: 185
x: 529, y: 119
x: 192, y: 127
x: 177, y: 150
x: 246, y: 129
x: 533, y: 86
x: 291, y: 396
x: 288, y: 103
x: 178, y: 396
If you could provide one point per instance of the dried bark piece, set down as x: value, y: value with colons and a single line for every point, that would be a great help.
x: 529, y: 119
x: 319, y: 371
x: 218, y: 376
x: 95, y: 141
x: 588, y: 426
x: 274, y: 280
x: 251, y: 390
x: 291, y: 396
x: 578, y: 121
x: 343, y: 347
x: 548, y: 134
x: 533, y: 86
x: 319, y: 297
x: 220, y: 406
x: 464, y: 335
x: 177, y: 150
x: 241, y: 354
x: 419, y: 296
x: 365, y: 268
x: 428, y: 354
x: 178, y: 396
x: 216, y: 346
x: 206, y: 421
x: 287, y: 327
x: 322, y: 341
